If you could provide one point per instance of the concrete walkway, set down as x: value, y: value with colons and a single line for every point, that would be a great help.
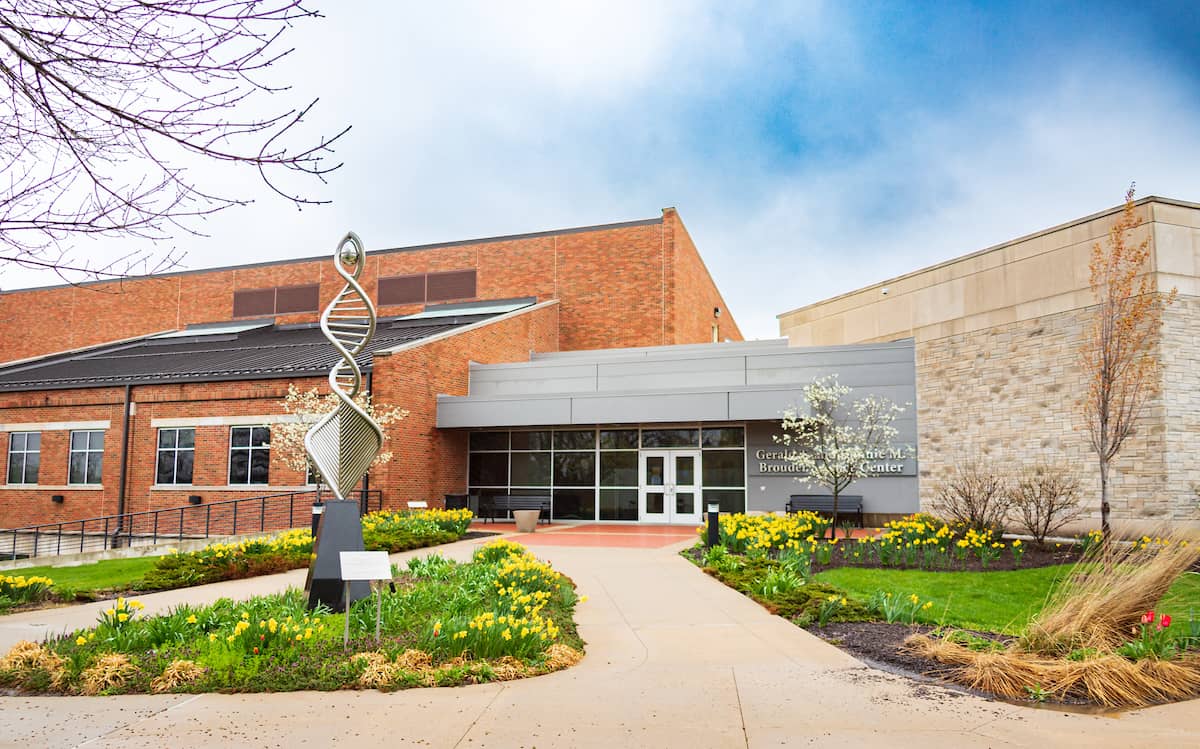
x: 675, y: 659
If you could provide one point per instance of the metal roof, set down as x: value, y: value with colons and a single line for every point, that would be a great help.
x: 272, y: 352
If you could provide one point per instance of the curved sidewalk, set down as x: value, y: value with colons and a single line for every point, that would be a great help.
x: 675, y: 659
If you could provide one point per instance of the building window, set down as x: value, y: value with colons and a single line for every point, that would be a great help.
x: 87, y: 457
x: 249, y: 455
x: 24, y: 457
x: 176, y: 454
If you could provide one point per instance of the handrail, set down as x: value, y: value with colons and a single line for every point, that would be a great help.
x: 268, y: 512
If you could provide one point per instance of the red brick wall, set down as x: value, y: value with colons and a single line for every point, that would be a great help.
x: 23, y: 506
x: 617, y: 286
x: 429, y: 462
x: 695, y: 295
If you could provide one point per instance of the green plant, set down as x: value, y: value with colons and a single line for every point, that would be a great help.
x: 989, y: 553
x: 1018, y: 551
x: 1090, y: 542
x: 1154, y: 641
x: 778, y: 581
x: 973, y: 641
x: 797, y: 559
x: 432, y: 566
x: 829, y: 607
x: 1037, y: 693
x: 898, y: 609
x: 24, y: 589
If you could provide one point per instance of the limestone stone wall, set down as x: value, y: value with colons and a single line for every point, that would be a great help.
x: 1181, y: 397
x: 1009, y: 392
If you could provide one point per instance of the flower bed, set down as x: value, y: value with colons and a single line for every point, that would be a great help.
x: 382, y: 531
x: 504, y: 615
x: 18, y: 590
x: 1078, y: 633
x: 915, y: 542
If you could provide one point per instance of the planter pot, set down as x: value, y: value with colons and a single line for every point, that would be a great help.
x: 526, y: 520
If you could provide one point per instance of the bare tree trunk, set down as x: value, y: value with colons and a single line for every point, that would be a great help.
x: 833, y: 525
x: 1104, y: 526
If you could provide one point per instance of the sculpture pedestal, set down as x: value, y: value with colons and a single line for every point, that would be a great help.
x: 340, y: 530
x: 526, y: 520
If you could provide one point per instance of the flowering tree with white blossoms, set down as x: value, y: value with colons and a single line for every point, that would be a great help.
x: 308, y: 406
x: 835, y: 441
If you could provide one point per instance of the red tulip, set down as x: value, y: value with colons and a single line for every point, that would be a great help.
x: 256, y: 651
x: 1148, y: 617
x: 1164, y: 622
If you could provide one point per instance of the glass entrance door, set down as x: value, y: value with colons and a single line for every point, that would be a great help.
x: 670, y: 486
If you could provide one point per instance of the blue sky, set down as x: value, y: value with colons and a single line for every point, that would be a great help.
x: 811, y: 148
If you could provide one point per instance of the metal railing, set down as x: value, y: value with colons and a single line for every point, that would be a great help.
x: 270, y: 512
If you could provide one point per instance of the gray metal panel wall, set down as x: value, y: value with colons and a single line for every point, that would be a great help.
x: 462, y: 412
x: 686, y: 407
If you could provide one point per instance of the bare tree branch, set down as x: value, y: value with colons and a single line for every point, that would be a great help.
x: 103, y: 103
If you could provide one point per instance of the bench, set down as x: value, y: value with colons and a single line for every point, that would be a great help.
x: 490, y: 506
x: 823, y: 503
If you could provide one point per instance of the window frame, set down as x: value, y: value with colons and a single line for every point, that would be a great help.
x: 176, y: 449
x: 88, y: 451
x: 250, y: 450
x: 24, y: 452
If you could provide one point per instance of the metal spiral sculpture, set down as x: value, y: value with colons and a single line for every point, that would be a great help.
x: 343, y: 444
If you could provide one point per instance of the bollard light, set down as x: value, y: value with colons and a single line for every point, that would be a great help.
x: 318, y: 509
x: 714, y: 529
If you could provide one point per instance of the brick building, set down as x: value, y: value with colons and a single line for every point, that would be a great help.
x: 997, y: 335
x: 140, y: 394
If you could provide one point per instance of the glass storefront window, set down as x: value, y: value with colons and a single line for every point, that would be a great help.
x: 618, y: 469
x: 575, y: 504
x: 618, y: 504
x: 488, y: 441
x: 531, y: 440
x: 724, y: 437
x: 574, y: 469
x: 575, y: 439
x: 724, y: 468
x: 618, y: 439
x: 488, y: 469
x: 530, y: 469
x: 655, y: 438
x: 731, y: 500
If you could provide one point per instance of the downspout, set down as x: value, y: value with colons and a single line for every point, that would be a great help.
x: 123, y: 481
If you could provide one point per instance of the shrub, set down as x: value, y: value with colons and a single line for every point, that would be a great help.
x: 1044, y: 498
x: 975, y: 495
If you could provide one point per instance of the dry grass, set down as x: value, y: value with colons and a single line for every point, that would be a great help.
x: 559, y: 656
x: 26, y: 657
x: 110, y: 671
x: 1097, y: 611
x: 379, y: 671
x: 1106, y: 597
x: 176, y: 674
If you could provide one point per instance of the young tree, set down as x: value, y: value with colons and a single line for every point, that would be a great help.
x: 836, y: 440
x: 287, y: 439
x: 104, y: 104
x: 1118, y: 354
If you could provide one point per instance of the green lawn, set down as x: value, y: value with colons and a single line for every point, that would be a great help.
x: 110, y: 574
x: 991, y: 601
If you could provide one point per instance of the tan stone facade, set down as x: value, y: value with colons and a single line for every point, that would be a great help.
x: 997, y: 336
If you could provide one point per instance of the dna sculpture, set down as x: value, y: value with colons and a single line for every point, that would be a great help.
x: 345, y: 441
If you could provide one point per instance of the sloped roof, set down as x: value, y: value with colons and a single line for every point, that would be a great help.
x: 215, y: 353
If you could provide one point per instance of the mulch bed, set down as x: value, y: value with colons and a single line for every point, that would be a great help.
x: 879, y: 645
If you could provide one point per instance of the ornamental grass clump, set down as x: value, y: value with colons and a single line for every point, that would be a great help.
x: 1097, y: 639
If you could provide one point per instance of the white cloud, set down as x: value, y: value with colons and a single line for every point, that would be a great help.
x: 477, y: 119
